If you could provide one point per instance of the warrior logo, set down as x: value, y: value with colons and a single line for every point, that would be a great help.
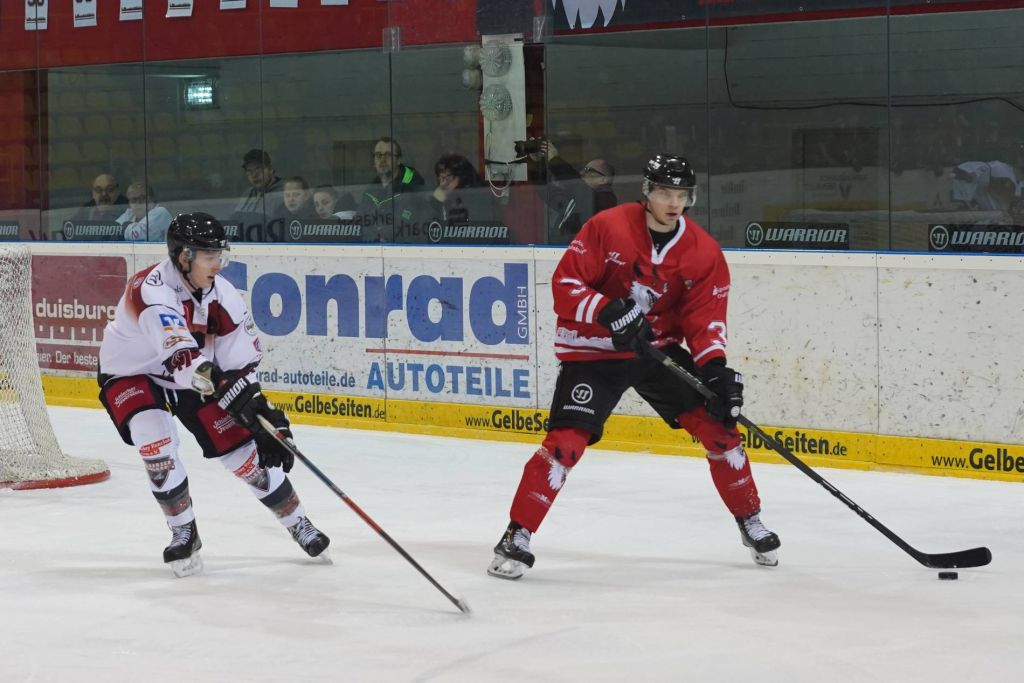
x: 755, y: 235
x: 582, y: 393
x: 938, y: 237
x: 614, y: 257
x: 434, y: 232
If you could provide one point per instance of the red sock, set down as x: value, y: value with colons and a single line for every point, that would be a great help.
x: 544, y: 475
x: 730, y: 467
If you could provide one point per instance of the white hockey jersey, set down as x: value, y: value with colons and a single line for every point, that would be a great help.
x: 161, y: 330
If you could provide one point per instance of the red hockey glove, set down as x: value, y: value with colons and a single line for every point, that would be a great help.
x: 727, y: 386
x: 627, y: 323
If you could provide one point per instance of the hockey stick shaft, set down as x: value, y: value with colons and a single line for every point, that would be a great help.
x: 293, y: 449
x: 974, y: 557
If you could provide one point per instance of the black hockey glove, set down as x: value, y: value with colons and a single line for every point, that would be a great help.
x: 241, y: 399
x: 727, y: 386
x: 272, y: 452
x: 628, y: 325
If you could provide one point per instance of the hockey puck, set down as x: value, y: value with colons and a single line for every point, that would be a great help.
x: 948, y: 576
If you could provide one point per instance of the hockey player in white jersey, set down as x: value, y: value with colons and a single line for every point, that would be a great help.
x: 182, y: 344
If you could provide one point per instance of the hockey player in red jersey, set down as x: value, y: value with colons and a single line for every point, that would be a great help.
x: 182, y: 344
x: 636, y: 274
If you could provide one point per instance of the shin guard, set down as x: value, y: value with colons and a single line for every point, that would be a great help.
x: 545, y: 474
x: 269, y: 485
x: 730, y: 467
x: 156, y: 437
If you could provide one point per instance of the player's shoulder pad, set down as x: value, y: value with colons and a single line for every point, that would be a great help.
x: 152, y: 287
x: 230, y: 299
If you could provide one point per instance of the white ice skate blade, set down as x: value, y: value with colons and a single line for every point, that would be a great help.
x: 188, y: 567
x: 504, y: 568
x: 323, y: 558
x: 768, y: 559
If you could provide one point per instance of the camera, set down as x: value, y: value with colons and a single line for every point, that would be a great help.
x: 525, y: 147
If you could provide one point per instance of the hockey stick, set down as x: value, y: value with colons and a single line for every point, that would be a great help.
x: 975, y: 557
x: 293, y: 449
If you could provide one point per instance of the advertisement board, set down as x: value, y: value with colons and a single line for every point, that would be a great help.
x: 458, y: 342
x: 73, y: 298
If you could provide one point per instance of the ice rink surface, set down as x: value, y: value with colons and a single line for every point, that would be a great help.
x: 640, y: 574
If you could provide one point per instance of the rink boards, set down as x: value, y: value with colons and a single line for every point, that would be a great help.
x: 891, y: 361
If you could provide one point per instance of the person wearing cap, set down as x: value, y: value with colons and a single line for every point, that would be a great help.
x: 264, y: 185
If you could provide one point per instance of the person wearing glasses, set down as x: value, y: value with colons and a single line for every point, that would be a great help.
x: 380, y: 205
x: 107, y: 202
x: 574, y: 196
x: 460, y: 198
x: 144, y: 220
x: 264, y: 195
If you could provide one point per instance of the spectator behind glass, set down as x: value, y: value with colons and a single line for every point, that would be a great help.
x: 144, y: 220
x: 984, y: 186
x: 107, y: 201
x: 380, y: 203
x: 264, y: 185
x: 573, y: 197
x: 329, y: 206
x: 461, y: 197
x: 297, y: 201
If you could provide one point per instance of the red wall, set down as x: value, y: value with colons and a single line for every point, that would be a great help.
x: 212, y: 32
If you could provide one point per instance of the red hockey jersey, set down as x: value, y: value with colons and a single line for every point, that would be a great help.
x: 684, y: 289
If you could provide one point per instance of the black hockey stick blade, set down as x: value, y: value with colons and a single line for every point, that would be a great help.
x: 294, y: 450
x: 975, y: 557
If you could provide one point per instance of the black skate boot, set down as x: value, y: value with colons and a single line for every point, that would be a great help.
x: 183, y: 552
x: 512, y: 555
x: 309, y: 538
x: 761, y: 542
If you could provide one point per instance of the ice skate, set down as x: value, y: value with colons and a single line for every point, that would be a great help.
x: 512, y: 556
x: 762, y: 543
x: 183, y: 552
x: 310, y: 539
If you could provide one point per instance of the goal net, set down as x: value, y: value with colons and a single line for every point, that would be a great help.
x: 30, y: 456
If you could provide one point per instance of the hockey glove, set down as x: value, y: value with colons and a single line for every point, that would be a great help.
x: 272, y: 452
x: 627, y: 323
x: 205, y: 379
x: 727, y: 386
x: 243, y: 400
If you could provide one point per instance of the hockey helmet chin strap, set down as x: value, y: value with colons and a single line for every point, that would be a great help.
x: 190, y: 255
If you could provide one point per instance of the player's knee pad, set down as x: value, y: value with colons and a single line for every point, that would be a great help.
x: 710, y: 432
x: 565, y: 445
x: 244, y: 463
x: 156, y: 438
x: 734, y: 458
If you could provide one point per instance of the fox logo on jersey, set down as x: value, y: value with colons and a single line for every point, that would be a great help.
x: 645, y: 289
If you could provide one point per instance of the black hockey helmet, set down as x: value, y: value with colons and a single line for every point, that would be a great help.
x: 191, y: 232
x: 671, y: 171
